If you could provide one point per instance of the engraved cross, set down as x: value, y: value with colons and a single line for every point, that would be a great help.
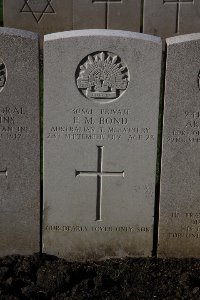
x: 178, y: 8
x: 99, y: 174
x: 107, y: 2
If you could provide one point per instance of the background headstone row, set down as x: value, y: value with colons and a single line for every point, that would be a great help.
x: 101, y: 109
x: 164, y: 18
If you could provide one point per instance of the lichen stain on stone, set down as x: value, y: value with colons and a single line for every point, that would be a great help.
x: 88, y: 251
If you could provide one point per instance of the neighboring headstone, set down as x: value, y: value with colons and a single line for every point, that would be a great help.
x: 107, y: 14
x: 124, y: 15
x: 42, y: 16
x: 88, y: 14
x: 47, y: 16
x: 20, y: 145
x: 100, y: 143
x: 167, y: 18
x: 180, y: 189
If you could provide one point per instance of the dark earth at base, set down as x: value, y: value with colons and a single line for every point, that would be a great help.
x: 47, y: 277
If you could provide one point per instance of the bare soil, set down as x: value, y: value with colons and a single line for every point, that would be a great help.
x: 48, y: 277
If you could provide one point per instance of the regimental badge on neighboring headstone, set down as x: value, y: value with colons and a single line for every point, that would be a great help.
x: 199, y: 80
x: 3, y: 75
x: 102, y: 77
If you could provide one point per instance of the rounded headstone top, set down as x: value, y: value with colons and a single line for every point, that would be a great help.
x: 103, y: 33
x: 183, y: 38
x: 18, y: 33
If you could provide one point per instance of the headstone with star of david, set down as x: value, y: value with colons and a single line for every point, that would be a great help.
x: 100, y: 143
x: 42, y: 16
x: 168, y: 18
x: 180, y: 189
x: 107, y: 14
x: 19, y: 142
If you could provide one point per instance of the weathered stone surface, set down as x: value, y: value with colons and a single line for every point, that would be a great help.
x: 89, y: 14
x: 100, y: 143
x: 42, y: 16
x: 167, y: 18
x: 19, y: 135
x: 124, y: 15
x: 111, y: 14
x: 47, y: 16
x: 179, y: 200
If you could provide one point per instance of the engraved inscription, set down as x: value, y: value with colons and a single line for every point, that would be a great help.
x: 37, y: 8
x: 178, y: 4
x: 189, y: 132
x: 81, y: 228
x: 12, y: 123
x: 191, y: 228
x: 101, y: 124
x: 3, y: 75
x: 99, y: 174
x: 102, y: 77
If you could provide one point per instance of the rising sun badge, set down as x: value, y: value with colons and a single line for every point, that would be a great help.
x: 3, y: 75
x: 102, y: 77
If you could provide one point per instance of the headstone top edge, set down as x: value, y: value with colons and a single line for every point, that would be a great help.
x: 183, y: 38
x: 18, y: 32
x: 102, y: 32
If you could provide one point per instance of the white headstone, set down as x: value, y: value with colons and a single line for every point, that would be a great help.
x: 180, y: 189
x: 19, y: 142
x: 42, y: 16
x: 88, y: 14
x: 107, y: 14
x: 168, y: 18
x: 100, y: 143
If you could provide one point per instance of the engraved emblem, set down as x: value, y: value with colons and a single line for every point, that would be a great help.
x: 102, y: 77
x: 38, y: 9
x: 99, y: 174
x: 3, y: 75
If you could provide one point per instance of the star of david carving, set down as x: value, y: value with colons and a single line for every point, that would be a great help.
x: 38, y: 14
